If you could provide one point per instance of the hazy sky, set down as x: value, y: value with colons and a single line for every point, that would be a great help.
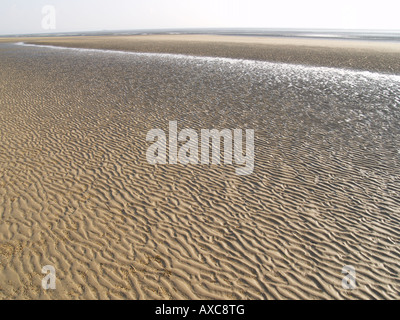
x: 25, y: 16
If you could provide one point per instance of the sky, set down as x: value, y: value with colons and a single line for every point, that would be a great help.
x: 26, y: 16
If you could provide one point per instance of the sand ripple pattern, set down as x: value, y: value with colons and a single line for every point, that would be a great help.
x: 77, y: 193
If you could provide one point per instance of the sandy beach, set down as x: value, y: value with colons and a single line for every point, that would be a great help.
x: 77, y: 193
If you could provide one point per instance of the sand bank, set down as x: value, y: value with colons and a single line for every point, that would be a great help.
x: 361, y: 55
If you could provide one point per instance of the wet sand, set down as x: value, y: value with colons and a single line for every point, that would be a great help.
x: 77, y: 193
x: 377, y: 56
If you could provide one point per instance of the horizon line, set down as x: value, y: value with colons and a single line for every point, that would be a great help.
x: 209, y: 29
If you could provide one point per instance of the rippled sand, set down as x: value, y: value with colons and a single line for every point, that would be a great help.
x: 76, y: 191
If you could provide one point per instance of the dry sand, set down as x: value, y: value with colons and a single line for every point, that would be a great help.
x: 76, y: 191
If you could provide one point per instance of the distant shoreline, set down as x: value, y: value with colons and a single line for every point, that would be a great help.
x: 360, y: 35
